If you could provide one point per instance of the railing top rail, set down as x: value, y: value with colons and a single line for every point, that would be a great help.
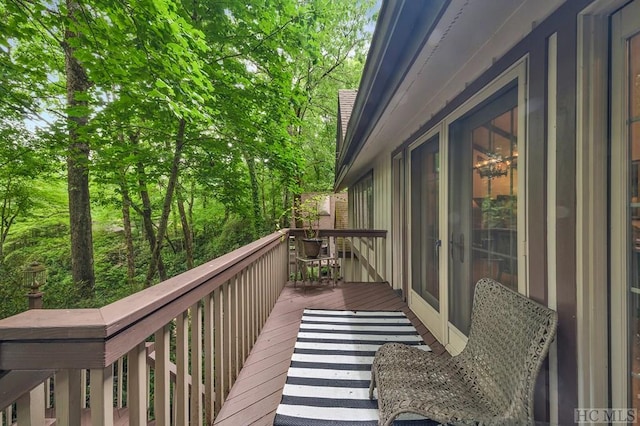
x: 41, y: 338
x: 298, y: 232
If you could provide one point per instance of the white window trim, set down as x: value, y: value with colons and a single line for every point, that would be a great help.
x: 619, y: 212
x: 552, y: 260
x: 591, y: 207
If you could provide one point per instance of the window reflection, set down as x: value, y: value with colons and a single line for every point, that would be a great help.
x: 494, y: 203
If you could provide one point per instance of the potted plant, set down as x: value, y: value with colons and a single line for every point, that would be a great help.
x: 308, y: 213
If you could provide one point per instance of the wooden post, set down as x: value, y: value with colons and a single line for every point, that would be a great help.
x: 35, y: 300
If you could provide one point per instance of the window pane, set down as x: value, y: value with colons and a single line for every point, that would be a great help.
x: 495, y: 183
x: 425, y: 238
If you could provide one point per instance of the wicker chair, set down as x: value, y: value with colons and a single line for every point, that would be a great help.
x: 490, y: 382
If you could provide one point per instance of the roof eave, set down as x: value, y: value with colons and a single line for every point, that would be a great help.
x: 401, y: 31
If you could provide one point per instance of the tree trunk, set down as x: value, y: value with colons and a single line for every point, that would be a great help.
x: 286, y: 218
x: 147, y: 222
x: 128, y: 237
x: 186, y: 229
x: 78, y: 165
x: 192, y: 198
x: 4, y: 217
x: 273, y: 198
x: 297, y: 201
x: 255, y: 195
x: 166, y: 208
x: 263, y: 199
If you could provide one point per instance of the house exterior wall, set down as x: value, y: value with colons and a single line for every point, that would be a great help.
x: 382, y: 209
x: 381, y: 190
x: 550, y: 193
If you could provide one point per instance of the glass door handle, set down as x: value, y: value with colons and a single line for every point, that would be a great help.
x: 452, y: 244
x: 458, y: 244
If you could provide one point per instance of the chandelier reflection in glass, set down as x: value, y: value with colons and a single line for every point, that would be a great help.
x: 495, y: 165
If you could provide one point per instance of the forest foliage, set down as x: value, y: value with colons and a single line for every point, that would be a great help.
x: 139, y: 138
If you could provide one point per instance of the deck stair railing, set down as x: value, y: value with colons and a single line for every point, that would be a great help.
x: 147, y: 356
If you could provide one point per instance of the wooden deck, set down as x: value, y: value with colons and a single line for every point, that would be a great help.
x: 257, y: 392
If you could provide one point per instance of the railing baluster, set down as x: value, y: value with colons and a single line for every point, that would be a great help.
x: 162, y: 380
x: 384, y: 258
x: 119, y: 389
x: 182, y: 369
x: 273, y: 271
x: 258, y: 290
x: 83, y: 389
x: 67, y: 397
x: 196, y: 365
x: 218, y: 350
x: 255, y: 310
x: 137, y: 385
x: 101, y: 395
x: 378, y: 257
x: 352, y: 265
x: 244, y: 315
x: 9, y: 414
x: 226, y: 337
x: 209, y: 360
x: 248, y: 288
x: 30, y: 408
x: 47, y: 394
x: 253, y: 314
x: 370, y: 260
x: 233, y: 328
x: 272, y: 279
x: 267, y: 284
x: 263, y: 289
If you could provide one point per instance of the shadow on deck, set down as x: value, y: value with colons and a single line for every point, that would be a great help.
x: 256, y: 394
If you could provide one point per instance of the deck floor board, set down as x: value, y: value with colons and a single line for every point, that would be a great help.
x: 256, y: 394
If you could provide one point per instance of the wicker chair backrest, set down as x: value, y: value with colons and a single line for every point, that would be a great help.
x: 509, y: 338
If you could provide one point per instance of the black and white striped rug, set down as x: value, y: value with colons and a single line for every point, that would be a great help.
x: 328, y: 380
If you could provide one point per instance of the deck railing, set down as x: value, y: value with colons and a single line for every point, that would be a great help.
x: 360, y: 255
x: 169, y: 353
